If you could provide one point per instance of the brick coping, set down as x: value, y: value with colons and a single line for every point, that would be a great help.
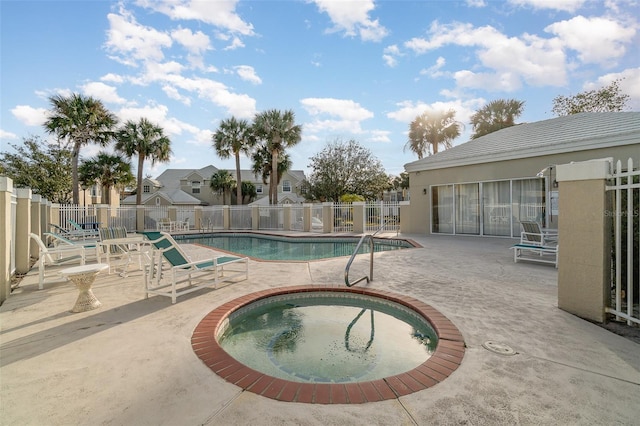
x: 442, y: 363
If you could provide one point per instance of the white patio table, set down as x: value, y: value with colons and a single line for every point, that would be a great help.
x: 83, y: 277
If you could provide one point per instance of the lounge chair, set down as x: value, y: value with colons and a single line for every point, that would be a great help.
x: 60, y: 241
x: 181, y: 269
x: 85, y: 233
x: 54, y: 256
x: 119, y: 248
x: 536, y: 244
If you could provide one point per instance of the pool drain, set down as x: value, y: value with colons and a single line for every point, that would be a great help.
x: 498, y: 348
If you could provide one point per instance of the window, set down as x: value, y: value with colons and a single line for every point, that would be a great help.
x: 467, y: 208
x: 286, y: 186
x: 195, y: 187
x: 146, y: 189
x: 157, y: 201
x: 442, y: 209
x: 258, y: 188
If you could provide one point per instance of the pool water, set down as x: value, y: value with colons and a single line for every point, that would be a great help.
x: 268, y: 247
x: 328, y: 339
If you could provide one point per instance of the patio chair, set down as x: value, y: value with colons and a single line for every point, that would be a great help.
x: 536, y: 244
x: 180, y: 269
x: 119, y: 248
x: 60, y: 241
x: 85, y: 233
x: 532, y: 233
x: 55, y: 256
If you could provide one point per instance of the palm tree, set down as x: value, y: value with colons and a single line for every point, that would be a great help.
x: 432, y: 129
x: 495, y: 115
x: 248, y: 191
x: 262, y: 161
x: 108, y: 170
x: 234, y: 137
x: 222, y: 182
x: 148, y: 141
x: 279, y: 131
x: 81, y: 120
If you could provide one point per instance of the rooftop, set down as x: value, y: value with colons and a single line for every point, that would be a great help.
x: 131, y: 360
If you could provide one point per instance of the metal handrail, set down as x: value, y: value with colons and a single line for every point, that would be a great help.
x: 353, y: 256
x: 366, y: 277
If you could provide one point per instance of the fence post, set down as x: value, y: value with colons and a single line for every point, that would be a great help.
x: 102, y: 215
x: 6, y: 189
x: 54, y: 215
x: 140, y: 218
x: 359, y: 217
x: 584, y: 238
x: 44, y: 215
x: 327, y: 217
x: 255, y: 217
x: 23, y: 227
x: 286, y: 217
x: 405, y: 214
x: 226, y: 217
x: 197, y: 217
x: 35, y: 220
x: 306, y: 217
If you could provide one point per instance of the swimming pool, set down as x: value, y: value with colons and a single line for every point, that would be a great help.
x: 272, y: 247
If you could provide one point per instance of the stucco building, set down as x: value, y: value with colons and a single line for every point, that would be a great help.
x: 488, y: 185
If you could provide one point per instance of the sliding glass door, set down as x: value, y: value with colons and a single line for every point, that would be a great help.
x: 496, y: 201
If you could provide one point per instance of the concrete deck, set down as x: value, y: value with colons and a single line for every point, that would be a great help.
x: 130, y: 362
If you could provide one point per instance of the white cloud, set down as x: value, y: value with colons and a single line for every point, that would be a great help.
x: 390, y: 54
x: 380, y: 136
x: 563, y: 5
x: 434, y: 70
x: 173, y: 93
x: 220, y: 13
x: 530, y: 58
x: 112, y: 78
x: 476, y: 3
x: 352, y: 17
x: 629, y: 85
x: 236, y: 43
x: 131, y: 42
x: 7, y: 135
x: 349, y: 115
x: 408, y: 110
x: 597, y: 40
x: 196, y: 43
x: 343, y: 108
x: 103, y: 92
x: 247, y: 73
x: 29, y: 115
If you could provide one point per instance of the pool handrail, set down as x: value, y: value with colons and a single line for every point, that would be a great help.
x: 366, y: 277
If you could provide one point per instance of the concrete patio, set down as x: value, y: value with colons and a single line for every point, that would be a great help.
x: 130, y: 362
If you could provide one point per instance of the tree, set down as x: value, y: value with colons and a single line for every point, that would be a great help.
x: 344, y: 168
x: 400, y: 182
x: 262, y: 162
x: 279, y: 131
x: 79, y: 120
x: 222, y: 182
x: 248, y: 190
x: 430, y: 130
x: 605, y: 99
x: 234, y: 137
x: 45, y: 168
x: 148, y: 141
x: 107, y: 170
x: 495, y: 115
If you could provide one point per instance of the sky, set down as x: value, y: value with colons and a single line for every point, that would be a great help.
x: 353, y: 69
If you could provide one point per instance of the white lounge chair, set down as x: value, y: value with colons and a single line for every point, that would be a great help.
x: 170, y: 266
x: 536, y: 244
x: 120, y: 248
x: 59, y: 241
x: 54, y: 256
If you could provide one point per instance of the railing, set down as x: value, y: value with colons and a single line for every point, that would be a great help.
x: 353, y: 256
x: 625, y: 288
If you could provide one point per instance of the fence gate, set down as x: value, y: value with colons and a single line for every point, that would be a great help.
x: 625, y: 285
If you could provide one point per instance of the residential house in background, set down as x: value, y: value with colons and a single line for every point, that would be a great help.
x: 488, y: 185
x: 191, y: 187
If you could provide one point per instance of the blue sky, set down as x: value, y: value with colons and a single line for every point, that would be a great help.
x: 357, y: 69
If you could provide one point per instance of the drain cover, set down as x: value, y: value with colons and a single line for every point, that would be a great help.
x: 499, y: 348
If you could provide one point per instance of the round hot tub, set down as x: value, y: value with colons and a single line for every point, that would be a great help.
x: 329, y: 345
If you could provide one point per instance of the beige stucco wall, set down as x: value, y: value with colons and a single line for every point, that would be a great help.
x: 419, y: 221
